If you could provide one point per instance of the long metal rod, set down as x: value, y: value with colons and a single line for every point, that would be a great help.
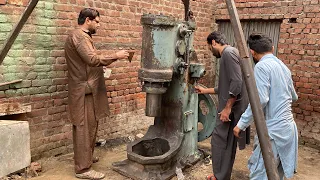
x: 257, y: 111
x: 11, y: 82
x: 186, y: 4
x: 23, y: 19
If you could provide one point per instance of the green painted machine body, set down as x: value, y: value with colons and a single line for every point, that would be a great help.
x: 169, y: 71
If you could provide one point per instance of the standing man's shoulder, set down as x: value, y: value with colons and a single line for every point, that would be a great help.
x: 77, y: 33
x: 75, y: 37
x: 264, y: 67
x: 234, y: 51
x: 231, y: 53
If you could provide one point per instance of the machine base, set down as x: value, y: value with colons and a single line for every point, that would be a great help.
x: 138, y: 171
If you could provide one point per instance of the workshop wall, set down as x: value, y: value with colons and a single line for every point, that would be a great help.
x: 37, y: 57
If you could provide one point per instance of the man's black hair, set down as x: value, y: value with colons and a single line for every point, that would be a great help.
x: 87, y: 12
x: 260, y: 43
x: 218, y: 37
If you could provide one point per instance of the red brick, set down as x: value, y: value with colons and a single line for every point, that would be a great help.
x: 308, y: 118
x: 38, y: 105
x: 37, y: 113
x: 316, y: 64
x: 60, y: 81
x: 60, y: 102
x: 308, y: 85
x: 18, y: 2
x: 311, y: 9
x: 304, y: 90
x: 113, y: 94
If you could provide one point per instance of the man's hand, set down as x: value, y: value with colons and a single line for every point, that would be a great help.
x: 236, y: 131
x: 199, y: 89
x: 224, y: 114
x: 123, y: 54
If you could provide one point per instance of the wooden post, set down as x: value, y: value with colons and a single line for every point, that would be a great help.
x: 259, y: 119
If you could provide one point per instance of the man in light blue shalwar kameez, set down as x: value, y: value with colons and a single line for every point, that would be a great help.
x: 276, y: 92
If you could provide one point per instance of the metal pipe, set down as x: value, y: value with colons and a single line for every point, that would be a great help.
x: 12, y: 37
x: 11, y: 82
x: 186, y: 4
x: 257, y: 111
x: 153, y: 105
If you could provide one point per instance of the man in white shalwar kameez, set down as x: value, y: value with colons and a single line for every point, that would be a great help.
x: 276, y: 92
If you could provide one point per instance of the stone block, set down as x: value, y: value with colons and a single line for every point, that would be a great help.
x: 15, y: 146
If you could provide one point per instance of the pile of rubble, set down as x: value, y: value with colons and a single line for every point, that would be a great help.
x: 29, y: 172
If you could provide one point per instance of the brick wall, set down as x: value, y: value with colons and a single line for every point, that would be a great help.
x: 298, y: 49
x: 37, y: 57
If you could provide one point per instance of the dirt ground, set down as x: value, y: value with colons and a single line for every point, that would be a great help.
x: 61, y: 168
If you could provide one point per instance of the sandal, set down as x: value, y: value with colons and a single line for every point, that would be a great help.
x: 92, y: 174
x: 95, y: 159
x: 211, y: 177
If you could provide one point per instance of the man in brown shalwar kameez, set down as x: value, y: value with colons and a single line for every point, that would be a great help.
x: 88, y: 100
x: 233, y: 101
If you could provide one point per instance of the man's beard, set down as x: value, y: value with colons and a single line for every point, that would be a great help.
x: 255, y: 60
x: 92, y: 30
x: 215, y: 52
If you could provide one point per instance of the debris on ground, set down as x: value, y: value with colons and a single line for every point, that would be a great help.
x: 28, y: 172
x: 139, y: 136
x: 179, y: 173
x: 207, y: 160
x: 101, y: 142
x: 131, y: 138
x: 33, y: 169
